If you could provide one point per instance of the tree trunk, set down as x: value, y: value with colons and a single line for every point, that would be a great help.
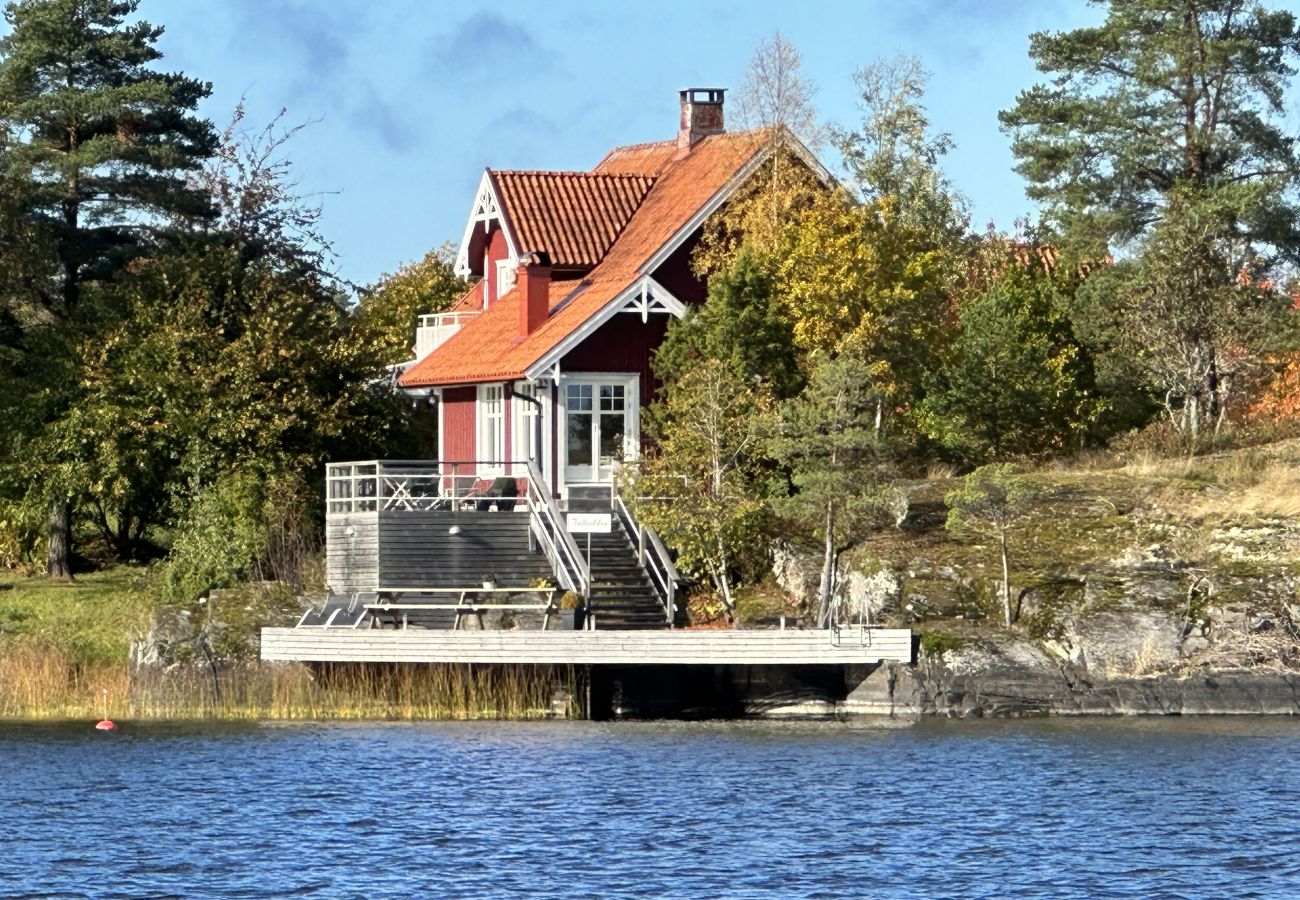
x: 59, y: 535
x: 826, y: 586
x: 1006, y: 579
x: 720, y: 578
x: 1212, y: 386
x: 1223, y: 388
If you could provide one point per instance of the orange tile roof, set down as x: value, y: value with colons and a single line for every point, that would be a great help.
x: 638, y: 159
x: 490, y: 347
x: 469, y: 300
x: 573, y: 216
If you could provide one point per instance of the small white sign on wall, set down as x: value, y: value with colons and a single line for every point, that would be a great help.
x: 590, y: 523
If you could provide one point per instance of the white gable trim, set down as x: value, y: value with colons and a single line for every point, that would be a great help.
x: 645, y: 296
x: 485, y: 211
x: 650, y: 297
x: 724, y: 193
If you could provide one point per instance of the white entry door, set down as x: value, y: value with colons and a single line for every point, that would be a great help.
x: 600, y: 425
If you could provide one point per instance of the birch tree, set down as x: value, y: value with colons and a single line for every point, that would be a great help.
x: 991, y: 502
x: 776, y: 99
x: 701, y: 488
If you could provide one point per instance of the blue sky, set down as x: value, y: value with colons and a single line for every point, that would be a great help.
x: 410, y: 101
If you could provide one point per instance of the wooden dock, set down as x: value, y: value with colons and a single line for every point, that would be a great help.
x: 666, y: 647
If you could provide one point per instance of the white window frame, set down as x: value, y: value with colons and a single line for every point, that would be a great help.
x: 523, y: 425
x: 631, y: 437
x: 506, y: 271
x: 490, y: 428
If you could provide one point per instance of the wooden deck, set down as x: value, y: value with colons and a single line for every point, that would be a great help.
x: 666, y: 647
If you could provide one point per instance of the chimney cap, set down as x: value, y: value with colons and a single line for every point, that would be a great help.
x: 702, y: 94
x: 534, y: 258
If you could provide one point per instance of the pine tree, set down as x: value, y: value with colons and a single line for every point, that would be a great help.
x: 95, y: 145
x: 991, y: 502
x: 742, y: 324
x: 1164, y: 95
x: 1015, y: 381
x: 1162, y: 136
x: 838, y: 464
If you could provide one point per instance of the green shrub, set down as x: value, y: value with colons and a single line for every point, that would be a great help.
x: 221, y: 537
x: 22, y: 537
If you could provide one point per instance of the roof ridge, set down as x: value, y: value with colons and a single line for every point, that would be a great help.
x: 641, y: 146
x: 584, y: 174
x: 625, y: 148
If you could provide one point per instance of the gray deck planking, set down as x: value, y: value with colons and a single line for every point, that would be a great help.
x: 675, y: 647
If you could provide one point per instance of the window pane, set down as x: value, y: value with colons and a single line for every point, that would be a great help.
x: 579, y: 443
x: 611, y: 397
x: 611, y: 437
x: 578, y: 397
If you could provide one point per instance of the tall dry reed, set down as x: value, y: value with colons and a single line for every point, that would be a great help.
x: 38, y: 683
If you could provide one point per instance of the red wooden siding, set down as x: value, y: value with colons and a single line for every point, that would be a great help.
x: 458, y: 423
x: 496, y: 251
x: 675, y: 274
x: 623, y: 344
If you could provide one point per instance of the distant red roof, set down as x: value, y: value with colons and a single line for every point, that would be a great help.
x: 573, y: 216
x: 490, y: 347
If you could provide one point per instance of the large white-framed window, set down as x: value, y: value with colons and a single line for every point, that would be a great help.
x: 601, y: 425
x: 523, y: 426
x: 491, y: 443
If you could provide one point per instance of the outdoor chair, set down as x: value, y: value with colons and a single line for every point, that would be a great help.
x: 504, y: 492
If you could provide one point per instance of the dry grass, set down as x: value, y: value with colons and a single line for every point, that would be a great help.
x: 1273, y: 492
x: 1090, y: 460
x: 940, y: 471
x: 39, y: 683
x: 1147, y: 661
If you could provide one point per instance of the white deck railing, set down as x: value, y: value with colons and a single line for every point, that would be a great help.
x: 412, y: 485
x: 394, y: 487
x: 435, y: 328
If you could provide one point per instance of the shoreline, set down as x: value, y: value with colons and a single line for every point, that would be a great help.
x: 900, y: 694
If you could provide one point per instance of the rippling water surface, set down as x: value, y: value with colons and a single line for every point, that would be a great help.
x: 1182, y: 808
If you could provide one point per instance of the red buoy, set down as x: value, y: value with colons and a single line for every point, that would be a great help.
x: 105, y: 724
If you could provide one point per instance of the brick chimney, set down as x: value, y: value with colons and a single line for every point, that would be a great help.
x: 534, y: 280
x: 701, y: 116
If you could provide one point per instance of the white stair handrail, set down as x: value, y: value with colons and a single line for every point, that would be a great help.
x: 653, y: 557
x: 548, y: 526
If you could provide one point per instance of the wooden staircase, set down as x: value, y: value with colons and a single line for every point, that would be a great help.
x: 621, y: 594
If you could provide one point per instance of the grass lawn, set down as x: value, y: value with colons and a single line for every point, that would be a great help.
x: 92, y: 619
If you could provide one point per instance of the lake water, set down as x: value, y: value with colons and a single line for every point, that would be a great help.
x: 1095, y: 808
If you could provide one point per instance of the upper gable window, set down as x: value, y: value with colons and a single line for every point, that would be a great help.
x: 505, y: 277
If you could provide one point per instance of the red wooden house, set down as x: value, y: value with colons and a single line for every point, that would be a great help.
x: 539, y: 375
x: 579, y: 273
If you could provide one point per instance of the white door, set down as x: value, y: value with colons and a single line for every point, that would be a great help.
x: 600, y: 423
